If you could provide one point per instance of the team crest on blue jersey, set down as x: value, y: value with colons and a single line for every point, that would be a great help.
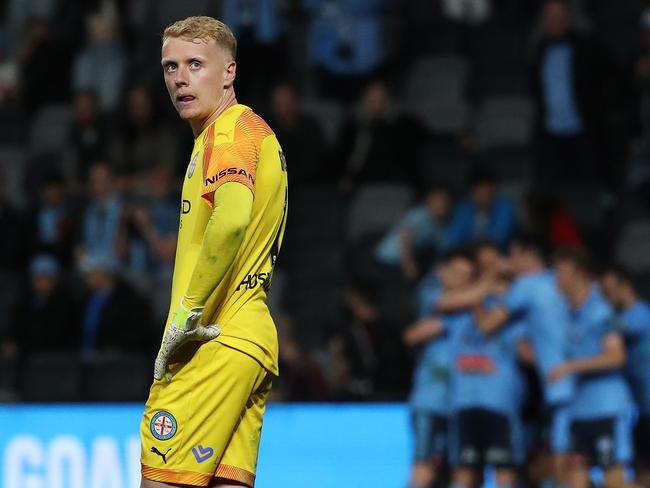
x: 190, y: 171
x: 163, y: 425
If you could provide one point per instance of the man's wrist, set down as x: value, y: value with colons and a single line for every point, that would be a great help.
x: 183, y: 314
x: 187, y: 304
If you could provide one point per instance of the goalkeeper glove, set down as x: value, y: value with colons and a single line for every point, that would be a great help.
x: 184, y: 327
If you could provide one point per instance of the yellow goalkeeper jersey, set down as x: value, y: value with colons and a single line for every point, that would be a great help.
x: 237, y: 147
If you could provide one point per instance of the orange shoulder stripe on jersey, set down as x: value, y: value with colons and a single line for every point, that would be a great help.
x: 208, y: 145
x: 235, y: 160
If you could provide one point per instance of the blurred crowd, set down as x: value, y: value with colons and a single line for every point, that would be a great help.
x: 410, y: 129
x: 468, y: 182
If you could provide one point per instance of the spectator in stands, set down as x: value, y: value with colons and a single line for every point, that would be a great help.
x: 101, y: 65
x: 13, y: 251
x: 87, y: 137
x: 259, y: 27
x: 152, y: 225
x: 419, y: 237
x: 602, y: 405
x: 485, y: 215
x: 633, y: 315
x: 8, y: 72
x: 302, y: 137
x: 550, y: 220
x: 345, y: 43
x: 14, y: 248
x: 42, y: 55
x: 46, y: 317
x: 573, y: 85
x: 53, y: 228
x: 372, y: 141
x: 101, y: 226
x: 351, y: 362
x: 472, y: 11
x: 143, y: 141
x: 115, y: 318
x: 302, y: 379
x: 642, y: 80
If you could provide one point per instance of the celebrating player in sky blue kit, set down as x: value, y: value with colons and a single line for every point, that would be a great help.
x: 600, y: 410
x: 633, y: 317
x: 429, y: 397
x: 535, y: 299
x: 487, y: 395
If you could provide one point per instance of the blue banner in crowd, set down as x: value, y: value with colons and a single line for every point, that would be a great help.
x: 80, y: 446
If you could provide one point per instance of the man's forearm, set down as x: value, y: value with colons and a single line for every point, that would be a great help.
x: 463, y: 299
x: 597, y: 363
x: 613, y: 356
x: 223, y: 236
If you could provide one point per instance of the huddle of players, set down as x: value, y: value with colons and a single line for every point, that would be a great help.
x: 588, y: 339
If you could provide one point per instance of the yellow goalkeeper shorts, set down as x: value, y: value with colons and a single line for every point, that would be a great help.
x: 207, y: 421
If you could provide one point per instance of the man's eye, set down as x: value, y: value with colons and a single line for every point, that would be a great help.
x: 170, y: 67
x: 195, y: 65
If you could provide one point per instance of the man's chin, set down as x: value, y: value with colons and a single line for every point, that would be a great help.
x: 188, y: 114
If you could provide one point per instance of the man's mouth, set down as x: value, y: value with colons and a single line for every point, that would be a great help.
x: 183, y: 99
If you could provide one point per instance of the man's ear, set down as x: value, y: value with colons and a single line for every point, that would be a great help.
x: 231, y: 73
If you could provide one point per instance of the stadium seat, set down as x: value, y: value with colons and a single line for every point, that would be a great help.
x: 435, y: 93
x: 316, y: 219
x: 49, y: 130
x: 8, y: 369
x: 510, y: 163
x: 9, y: 294
x: 516, y: 191
x: 442, y: 77
x: 443, y: 163
x: 316, y: 212
x: 632, y: 247
x: 504, y: 121
x: 375, y: 208
x: 317, y: 262
x: 494, y: 81
x: 315, y: 309
x: 642, y: 282
x: 54, y: 377
x: 116, y: 379
x: 168, y: 11
x: 12, y: 168
x: 329, y: 113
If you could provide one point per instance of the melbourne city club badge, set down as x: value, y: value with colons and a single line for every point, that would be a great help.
x: 163, y: 425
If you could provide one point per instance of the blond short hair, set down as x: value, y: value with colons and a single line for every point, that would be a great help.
x: 205, y: 28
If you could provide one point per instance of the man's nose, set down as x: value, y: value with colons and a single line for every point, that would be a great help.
x: 181, y: 77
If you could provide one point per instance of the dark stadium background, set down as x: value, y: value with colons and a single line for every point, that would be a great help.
x: 374, y: 103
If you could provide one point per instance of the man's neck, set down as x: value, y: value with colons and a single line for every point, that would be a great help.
x: 580, y: 294
x: 533, y: 267
x: 629, y: 298
x: 226, y: 102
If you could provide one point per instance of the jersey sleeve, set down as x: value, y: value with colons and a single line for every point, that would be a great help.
x: 428, y: 300
x: 634, y: 322
x: 234, y: 160
x: 413, y: 219
x: 516, y: 298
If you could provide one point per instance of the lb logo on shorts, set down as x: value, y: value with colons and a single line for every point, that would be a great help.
x: 163, y: 426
